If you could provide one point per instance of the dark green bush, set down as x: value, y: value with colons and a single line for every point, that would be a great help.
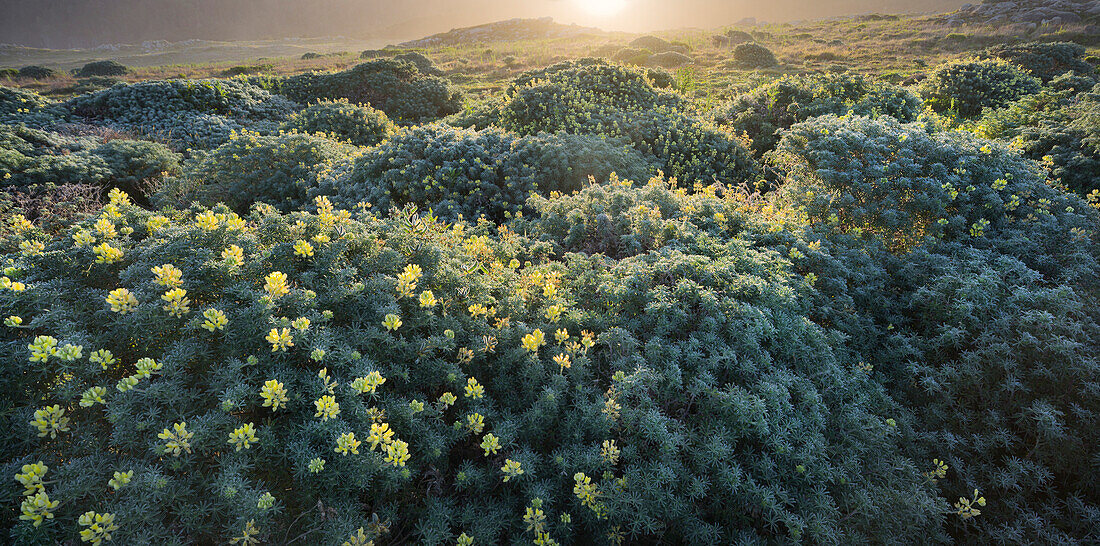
x: 340, y: 120
x: 468, y: 173
x: 137, y: 165
x: 198, y: 113
x: 248, y: 69
x: 766, y: 111
x: 101, y: 68
x: 396, y: 87
x: 1045, y: 61
x: 753, y: 55
x: 422, y: 62
x: 9, y: 73
x: 966, y: 87
x: 979, y: 316
x: 280, y: 170
x: 35, y: 72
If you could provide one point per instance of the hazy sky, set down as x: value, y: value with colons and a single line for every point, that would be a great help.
x: 86, y: 23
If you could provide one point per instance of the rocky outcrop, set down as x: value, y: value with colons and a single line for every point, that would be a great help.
x: 1028, y: 12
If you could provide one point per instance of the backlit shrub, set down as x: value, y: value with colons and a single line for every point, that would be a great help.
x: 966, y: 87
x: 355, y: 123
x: 753, y: 55
x: 101, y: 68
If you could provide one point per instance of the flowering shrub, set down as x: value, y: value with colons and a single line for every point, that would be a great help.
x: 966, y: 87
x: 280, y: 170
x: 20, y: 106
x: 340, y: 120
x: 766, y: 111
x: 396, y: 87
x: 456, y: 172
x: 196, y: 113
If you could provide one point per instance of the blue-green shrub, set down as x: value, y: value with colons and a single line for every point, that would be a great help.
x: 355, y: 123
x: 967, y: 86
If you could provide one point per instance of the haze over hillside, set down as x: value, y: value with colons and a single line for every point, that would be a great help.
x: 88, y: 23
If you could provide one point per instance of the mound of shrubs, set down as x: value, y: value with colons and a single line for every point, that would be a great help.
x: 977, y: 311
x: 1059, y: 126
x: 1045, y: 61
x: 357, y: 124
x: 25, y: 107
x: 466, y: 173
x: 657, y: 44
x: 395, y: 86
x: 766, y: 111
x: 31, y: 157
x: 189, y: 113
x: 280, y: 170
x: 752, y: 55
x: 35, y: 72
x: 394, y: 378
x: 101, y: 68
x: 592, y: 97
x: 966, y: 87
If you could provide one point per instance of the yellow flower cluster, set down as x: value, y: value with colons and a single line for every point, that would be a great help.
x: 475, y: 422
x: 474, y: 390
x: 99, y: 527
x: 407, y: 279
x: 327, y: 407
x: 380, y: 435
x: 427, y: 299
x: 176, y: 302
x: 610, y: 452
x: 50, y: 420
x: 215, y: 320
x: 38, y: 507
x: 968, y: 508
x: 274, y: 394
x: 106, y: 254
x: 347, y: 443
x: 42, y: 348
x: 33, y: 248
x: 275, y: 285
x: 534, y: 340
x: 392, y: 322
x: 122, y: 301
x: 397, y: 453
x: 491, y: 444
x: 168, y: 276
x: 588, y: 494
x: 303, y: 249
x: 233, y: 256
x: 511, y: 469
x: 279, y: 340
x: 248, y: 534
x: 120, y: 479
x: 243, y: 436
x: 938, y: 472
x: 368, y: 384
x: 31, y: 477
x: 178, y: 439
x: 92, y: 397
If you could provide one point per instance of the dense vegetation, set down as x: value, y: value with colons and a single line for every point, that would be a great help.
x: 337, y: 308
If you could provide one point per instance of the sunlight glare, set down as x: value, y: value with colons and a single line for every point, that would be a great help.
x: 601, y: 8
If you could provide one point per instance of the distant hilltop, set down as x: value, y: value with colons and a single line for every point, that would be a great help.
x: 504, y: 31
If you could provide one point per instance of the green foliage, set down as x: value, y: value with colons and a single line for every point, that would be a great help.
x: 355, y: 123
x: 753, y: 55
x: 189, y: 113
x: 397, y: 87
x: 979, y: 316
x: 1060, y: 126
x: 1043, y: 60
x: 966, y: 87
x: 766, y: 111
x: 35, y: 72
x: 21, y: 106
x: 457, y: 172
x: 280, y: 170
x: 101, y: 68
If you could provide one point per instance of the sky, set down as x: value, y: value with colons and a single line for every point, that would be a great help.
x: 88, y: 23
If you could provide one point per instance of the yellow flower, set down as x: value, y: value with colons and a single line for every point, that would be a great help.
x: 31, y: 478
x: 473, y: 389
x: 82, y: 238
x: 475, y: 422
x: 535, y: 519
x: 511, y: 469
x: 327, y: 408
x: 19, y: 223
x: 13, y: 321
x: 38, y: 507
x: 347, y: 443
x: 127, y: 383
x: 275, y: 285
x: 168, y: 276
x: 427, y: 299
x: 303, y: 249
x: 248, y: 534
x: 562, y: 360
x: 178, y: 439
x: 533, y: 341
x: 207, y: 221
x: 490, y: 444
x: 358, y: 539
x: 274, y: 394
x: 561, y: 336
x: 177, y: 302
x: 50, y: 420
x: 42, y: 348
x: 122, y: 301
x: 105, y: 228
x: 243, y: 436
x: 233, y: 256
x: 215, y: 320
x: 380, y: 434
x: 120, y: 479
x: 107, y: 254
x: 31, y: 248
x: 464, y: 540
x: 448, y: 399
x: 553, y: 313
x: 92, y: 397
x: 99, y: 527
x: 369, y: 383
x: 397, y: 453
x: 156, y: 222
x: 279, y: 340
x: 316, y: 465
x: 477, y: 310
x: 610, y: 452
x: 392, y: 322
x: 407, y: 279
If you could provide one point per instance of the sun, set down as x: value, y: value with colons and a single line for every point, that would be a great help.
x: 601, y: 8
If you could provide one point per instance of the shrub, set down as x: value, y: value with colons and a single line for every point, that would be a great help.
x: 355, y: 123
x: 199, y: 113
x: 966, y: 87
x: 1059, y: 127
x: 25, y: 107
x: 633, y: 55
x: 137, y: 165
x: 979, y: 319
x: 247, y: 69
x: 765, y: 112
x: 422, y: 62
x: 658, y: 45
x: 310, y: 55
x: 35, y: 72
x: 753, y: 55
x: 9, y: 73
x: 468, y: 173
x: 1043, y: 60
x: 279, y: 170
x: 396, y: 87
x: 101, y: 68
x: 611, y: 439
x: 669, y: 59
